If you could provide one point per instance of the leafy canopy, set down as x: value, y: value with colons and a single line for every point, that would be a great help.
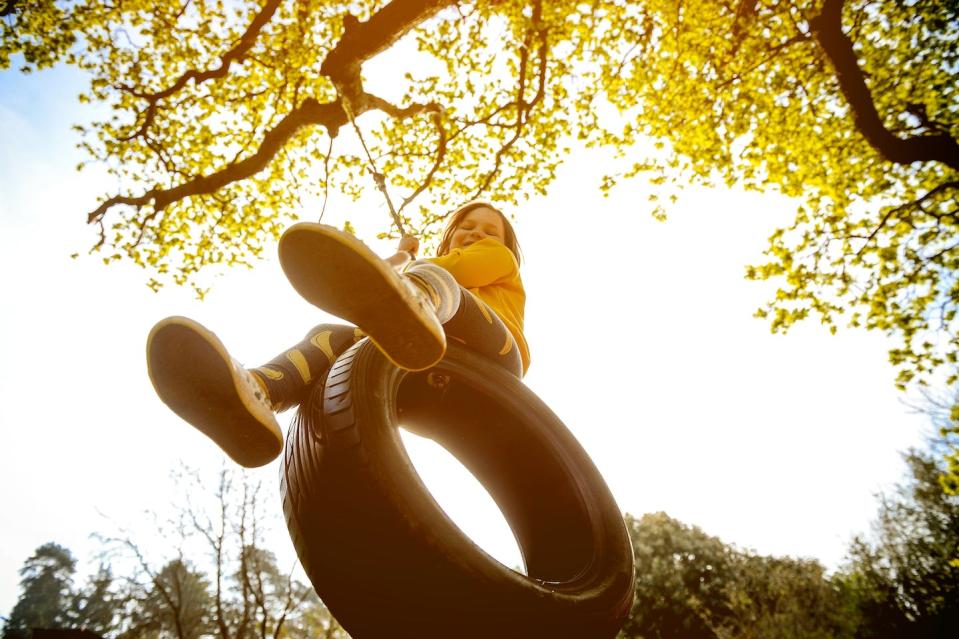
x: 224, y: 116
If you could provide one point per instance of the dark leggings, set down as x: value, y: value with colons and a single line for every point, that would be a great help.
x: 289, y: 375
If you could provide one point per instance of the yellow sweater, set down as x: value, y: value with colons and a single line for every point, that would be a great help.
x: 489, y: 270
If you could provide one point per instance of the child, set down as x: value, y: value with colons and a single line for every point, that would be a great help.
x: 471, y: 292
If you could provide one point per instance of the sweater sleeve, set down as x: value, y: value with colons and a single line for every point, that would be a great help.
x: 481, y: 264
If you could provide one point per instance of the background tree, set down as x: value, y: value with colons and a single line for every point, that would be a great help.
x: 786, y: 598
x: 942, y: 408
x: 680, y: 576
x: 48, y: 598
x: 95, y: 606
x: 221, y: 117
x: 46, y: 583
x: 279, y: 604
x: 317, y: 623
x: 175, y: 604
x: 223, y: 581
x: 901, y: 577
x: 689, y: 584
x: 253, y: 597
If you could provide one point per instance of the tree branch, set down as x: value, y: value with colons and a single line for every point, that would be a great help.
x: 915, y: 204
x: 523, y: 107
x: 360, y: 41
x: 8, y: 7
x: 330, y: 115
x: 941, y: 147
x: 745, y: 13
x: 326, y: 177
x: 437, y: 162
x: 363, y: 40
x: 310, y: 112
x: 226, y: 60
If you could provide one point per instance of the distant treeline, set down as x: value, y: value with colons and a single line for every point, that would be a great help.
x: 899, y: 581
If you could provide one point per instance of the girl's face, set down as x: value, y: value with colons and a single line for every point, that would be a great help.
x: 479, y: 224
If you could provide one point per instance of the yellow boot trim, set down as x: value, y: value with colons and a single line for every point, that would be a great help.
x: 322, y: 341
x: 484, y: 310
x: 270, y: 372
x: 508, y: 346
x: 299, y: 361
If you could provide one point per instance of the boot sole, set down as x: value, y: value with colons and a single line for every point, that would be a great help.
x: 339, y: 274
x: 194, y: 375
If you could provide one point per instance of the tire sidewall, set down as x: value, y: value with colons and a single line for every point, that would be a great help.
x: 392, y: 472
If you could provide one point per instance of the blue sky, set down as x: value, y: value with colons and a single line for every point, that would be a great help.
x: 642, y: 339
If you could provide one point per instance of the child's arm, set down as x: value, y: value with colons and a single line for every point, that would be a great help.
x: 405, y: 252
x: 479, y: 264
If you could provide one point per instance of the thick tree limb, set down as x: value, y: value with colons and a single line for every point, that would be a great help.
x: 7, y: 7
x: 363, y: 40
x: 745, y: 13
x: 940, y: 147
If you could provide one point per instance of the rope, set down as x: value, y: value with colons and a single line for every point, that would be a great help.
x: 378, y: 177
x: 326, y: 178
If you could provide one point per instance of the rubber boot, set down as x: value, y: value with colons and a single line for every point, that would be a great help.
x: 195, y: 376
x: 339, y: 274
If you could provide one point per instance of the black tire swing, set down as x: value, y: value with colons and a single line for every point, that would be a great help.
x: 387, y: 560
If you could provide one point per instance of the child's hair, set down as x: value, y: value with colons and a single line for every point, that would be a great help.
x: 509, y: 240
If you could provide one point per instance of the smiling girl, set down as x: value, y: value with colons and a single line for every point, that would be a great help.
x: 470, y: 292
